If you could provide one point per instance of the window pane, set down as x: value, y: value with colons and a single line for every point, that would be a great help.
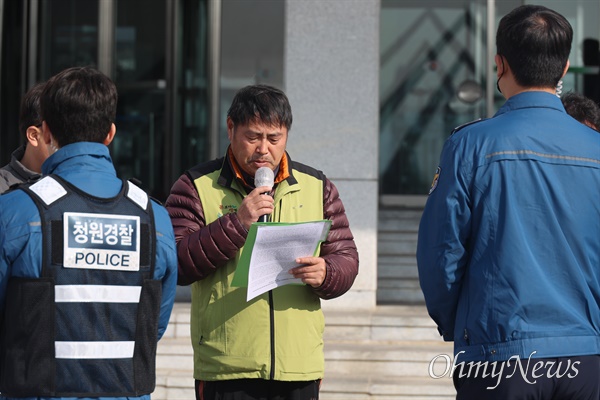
x: 70, y: 35
x: 192, y: 101
x: 140, y: 40
x: 430, y: 50
x: 140, y: 76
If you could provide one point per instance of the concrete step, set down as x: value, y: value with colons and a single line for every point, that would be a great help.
x: 175, y: 354
x: 174, y: 384
x: 400, y: 359
x: 179, y: 385
x: 385, y: 323
x: 349, y: 387
x: 384, y: 354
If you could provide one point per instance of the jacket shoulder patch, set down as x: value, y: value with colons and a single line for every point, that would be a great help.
x: 436, y: 178
x: 48, y: 190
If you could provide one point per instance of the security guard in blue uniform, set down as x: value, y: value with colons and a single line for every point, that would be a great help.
x: 87, y: 260
x: 508, y: 248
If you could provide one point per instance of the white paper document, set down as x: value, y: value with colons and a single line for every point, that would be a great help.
x: 275, y: 250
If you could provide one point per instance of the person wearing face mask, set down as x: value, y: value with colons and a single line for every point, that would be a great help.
x: 88, y: 262
x: 270, y: 347
x: 26, y: 161
x: 508, y: 246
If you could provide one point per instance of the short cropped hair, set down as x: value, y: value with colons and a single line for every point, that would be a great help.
x: 536, y: 42
x: 583, y: 109
x: 79, y: 104
x: 30, y: 113
x: 261, y: 103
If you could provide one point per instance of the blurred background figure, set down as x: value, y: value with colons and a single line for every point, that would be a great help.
x: 583, y: 109
x: 26, y: 161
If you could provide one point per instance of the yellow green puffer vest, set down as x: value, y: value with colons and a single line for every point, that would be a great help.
x: 278, y: 335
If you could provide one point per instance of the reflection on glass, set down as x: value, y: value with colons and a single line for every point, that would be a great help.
x: 428, y: 49
x: 70, y: 36
x: 140, y: 75
x: 192, y: 108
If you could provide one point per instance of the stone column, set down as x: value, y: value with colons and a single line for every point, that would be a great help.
x: 331, y: 64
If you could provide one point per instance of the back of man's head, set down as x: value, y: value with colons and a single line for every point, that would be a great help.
x: 536, y: 42
x: 583, y: 109
x: 79, y: 104
x: 30, y: 113
x: 261, y: 103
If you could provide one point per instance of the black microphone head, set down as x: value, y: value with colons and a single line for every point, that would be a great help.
x: 264, y: 177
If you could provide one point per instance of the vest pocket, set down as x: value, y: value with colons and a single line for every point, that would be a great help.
x: 27, y: 365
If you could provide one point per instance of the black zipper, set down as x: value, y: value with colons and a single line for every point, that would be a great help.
x: 272, y: 315
x: 273, y: 218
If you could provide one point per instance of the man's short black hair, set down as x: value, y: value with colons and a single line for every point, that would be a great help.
x: 536, y: 42
x: 583, y: 109
x: 79, y: 104
x: 262, y: 103
x: 30, y: 113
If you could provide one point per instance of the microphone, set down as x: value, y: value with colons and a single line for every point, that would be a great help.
x: 264, y: 177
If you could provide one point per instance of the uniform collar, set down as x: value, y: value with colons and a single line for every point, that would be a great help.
x: 532, y: 100
x: 78, y: 153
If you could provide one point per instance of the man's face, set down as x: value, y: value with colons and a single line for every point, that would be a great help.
x: 256, y: 145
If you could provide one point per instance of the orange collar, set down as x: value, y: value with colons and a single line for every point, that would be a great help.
x: 282, y: 175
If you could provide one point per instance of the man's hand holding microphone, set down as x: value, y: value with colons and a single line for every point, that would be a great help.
x: 258, y: 205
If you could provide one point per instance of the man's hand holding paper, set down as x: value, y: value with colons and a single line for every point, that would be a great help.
x: 279, y: 254
x: 312, y: 270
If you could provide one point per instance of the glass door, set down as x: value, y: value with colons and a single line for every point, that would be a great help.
x: 434, y: 76
x: 432, y: 79
x: 155, y: 52
x: 129, y: 46
x: 140, y: 75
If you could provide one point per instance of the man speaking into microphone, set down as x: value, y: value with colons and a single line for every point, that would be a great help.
x: 270, y: 347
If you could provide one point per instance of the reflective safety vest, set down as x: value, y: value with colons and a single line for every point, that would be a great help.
x: 88, y: 325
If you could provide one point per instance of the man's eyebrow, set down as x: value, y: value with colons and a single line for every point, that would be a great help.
x: 252, y: 132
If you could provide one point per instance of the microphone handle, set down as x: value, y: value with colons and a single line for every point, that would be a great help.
x: 264, y: 218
